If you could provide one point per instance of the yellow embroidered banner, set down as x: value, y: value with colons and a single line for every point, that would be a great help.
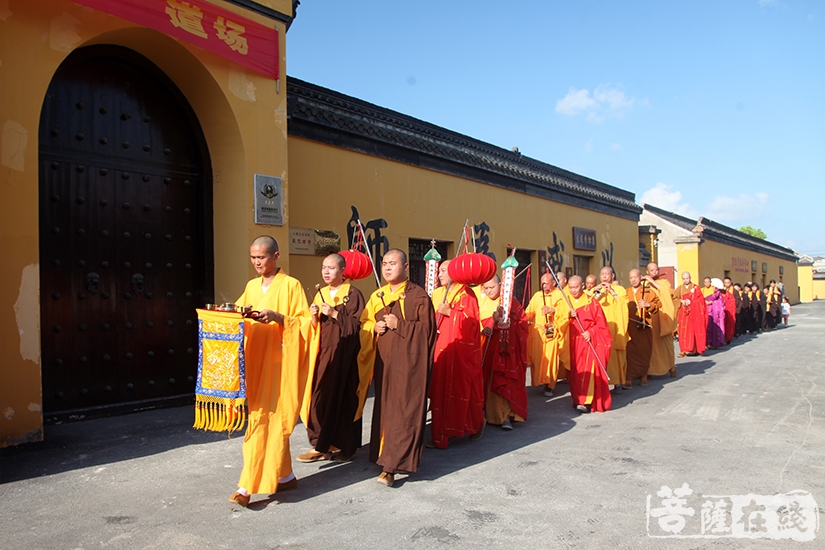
x: 220, y: 391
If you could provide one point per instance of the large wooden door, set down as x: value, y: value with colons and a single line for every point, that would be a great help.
x: 125, y: 233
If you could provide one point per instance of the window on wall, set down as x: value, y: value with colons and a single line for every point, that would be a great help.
x: 415, y: 255
x: 581, y: 265
x: 727, y: 274
x: 522, y: 283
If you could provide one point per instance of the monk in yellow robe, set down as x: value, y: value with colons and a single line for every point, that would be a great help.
x: 547, y: 309
x: 613, y: 299
x: 277, y: 362
x: 590, y: 284
x: 663, y: 356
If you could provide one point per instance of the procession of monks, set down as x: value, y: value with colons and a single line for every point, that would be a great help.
x: 460, y: 355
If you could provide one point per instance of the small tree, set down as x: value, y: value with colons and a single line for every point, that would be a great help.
x: 753, y: 232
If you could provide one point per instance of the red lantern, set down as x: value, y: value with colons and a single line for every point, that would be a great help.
x: 471, y: 269
x: 358, y: 264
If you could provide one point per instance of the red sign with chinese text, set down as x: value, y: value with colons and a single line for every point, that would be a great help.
x: 205, y: 25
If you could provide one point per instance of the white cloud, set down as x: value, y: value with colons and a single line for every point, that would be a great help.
x: 744, y: 208
x: 604, y: 102
x: 576, y: 102
x: 663, y: 196
x: 615, y: 147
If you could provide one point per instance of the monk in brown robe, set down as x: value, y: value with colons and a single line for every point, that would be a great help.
x: 663, y: 358
x: 398, y: 340
x: 758, y: 306
x: 331, y: 398
x: 741, y: 307
x: 642, y: 303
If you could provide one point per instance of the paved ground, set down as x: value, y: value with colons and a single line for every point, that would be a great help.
x: 748, y: 419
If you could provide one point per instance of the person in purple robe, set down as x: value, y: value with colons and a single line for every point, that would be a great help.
x: 715, y: 303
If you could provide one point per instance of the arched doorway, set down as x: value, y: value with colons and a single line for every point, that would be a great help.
x: 125, y: 233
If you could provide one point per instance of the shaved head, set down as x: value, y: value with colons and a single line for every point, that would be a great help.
x: 547, y: 283
x: 574, y: 284
x: 267, y: 243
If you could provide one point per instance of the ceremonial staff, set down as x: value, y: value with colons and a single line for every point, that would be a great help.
x: 503, y: 322
x: 549, y: 329
x: 640, y: 311
x: 576, y: 317
x: 380, y: 294
x: 643, y: 311
x: 461, y: 242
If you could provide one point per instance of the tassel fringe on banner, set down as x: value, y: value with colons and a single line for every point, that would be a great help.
x: 219, y: 414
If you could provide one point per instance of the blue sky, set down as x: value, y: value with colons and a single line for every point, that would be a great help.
x: 707, y: 108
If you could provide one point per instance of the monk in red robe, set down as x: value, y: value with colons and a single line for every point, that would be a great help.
x: 505, y: 359
x: 693, y: 318
x: 590, y: 344
x: 457, y: 385
x: 729, y: 294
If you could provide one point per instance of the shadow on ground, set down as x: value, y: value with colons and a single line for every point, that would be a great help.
x: 106, y: 440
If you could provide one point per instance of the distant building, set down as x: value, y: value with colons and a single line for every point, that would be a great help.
x: 811, y: 278
x: 706, y: 248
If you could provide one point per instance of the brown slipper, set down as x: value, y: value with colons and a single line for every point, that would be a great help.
x: 341, y: 457
x: 386, y: 479
x: 313, y: 456
x: 290, y: 485
x: 239, y: 499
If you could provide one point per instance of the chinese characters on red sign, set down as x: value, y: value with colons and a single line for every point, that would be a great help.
x: 205, y: 25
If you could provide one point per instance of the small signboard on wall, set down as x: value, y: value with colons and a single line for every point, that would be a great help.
x: 269, y: 200
x: 584, y: 239
x: 301, y: 241
x: 313, y: 242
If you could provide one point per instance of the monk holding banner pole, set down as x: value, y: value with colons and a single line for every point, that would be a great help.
x: 590, y: 344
